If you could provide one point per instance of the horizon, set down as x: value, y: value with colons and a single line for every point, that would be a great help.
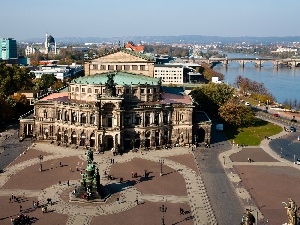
x: 109, y: 19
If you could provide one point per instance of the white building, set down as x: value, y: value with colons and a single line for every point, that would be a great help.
x: 169, y: 74
x: 60, y: 71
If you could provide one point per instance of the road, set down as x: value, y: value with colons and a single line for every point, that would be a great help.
x: 224, y: 201
x: 10, y: 147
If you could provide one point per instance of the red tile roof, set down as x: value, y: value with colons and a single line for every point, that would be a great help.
x: 136, y: 48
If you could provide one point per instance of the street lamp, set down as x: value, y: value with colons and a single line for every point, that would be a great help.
x: 40, y: 157
x: 161, y: 163
x: 163, y: 210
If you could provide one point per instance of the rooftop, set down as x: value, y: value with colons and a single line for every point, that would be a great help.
x: 120, y: 78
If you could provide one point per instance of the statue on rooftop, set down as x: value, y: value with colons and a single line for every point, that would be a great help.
x: 110, y: 85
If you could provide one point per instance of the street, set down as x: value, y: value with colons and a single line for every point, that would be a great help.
x: 226, y: 204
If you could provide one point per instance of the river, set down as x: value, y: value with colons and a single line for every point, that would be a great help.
x: 283, y: 83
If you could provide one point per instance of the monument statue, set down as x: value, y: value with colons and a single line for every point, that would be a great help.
x: 291, y: 211
x: 90, y: 187
x: 110, y: 85
x: 248, y: 218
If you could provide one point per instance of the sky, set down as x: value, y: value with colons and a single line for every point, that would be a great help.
x: 23, y: 19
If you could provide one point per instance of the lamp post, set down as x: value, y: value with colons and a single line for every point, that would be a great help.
x: 161, y: 163
x: 40, y: 157
x: 163, y: 210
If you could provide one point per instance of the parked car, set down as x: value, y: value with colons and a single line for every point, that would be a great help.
x: 247, y: 103
x: 297, y: 162
x: 292, y: 129
x: 294, y: 120
x: 276, y: 114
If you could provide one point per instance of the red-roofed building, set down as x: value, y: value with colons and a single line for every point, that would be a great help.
x: 135, y: 48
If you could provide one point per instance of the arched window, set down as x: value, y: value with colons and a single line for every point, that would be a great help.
x: 59, y: 115
x: 89, y: 90
x: 77, y: 89
x: 83, y: 118
x: 45, y: 114
x: 137, y: 119
x: 66, y: 116
x: 74, y: 117
x: 92, y: 119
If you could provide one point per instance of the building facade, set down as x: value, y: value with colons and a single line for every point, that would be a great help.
x: 120, y: 110
x: 121, y: 59
x: 8, y: 48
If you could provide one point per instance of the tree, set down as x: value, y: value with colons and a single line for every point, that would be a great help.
x: 211, y: 96
x: 236, y: 114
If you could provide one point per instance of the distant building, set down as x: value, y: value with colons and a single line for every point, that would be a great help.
x: 60, y: 71
x: 169, y: 74
x: 135, y: 48
x: 285, y: 49
x: 30, y: 50
x: 8, y: 48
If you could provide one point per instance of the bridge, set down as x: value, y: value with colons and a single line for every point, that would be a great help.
x: 292, y: 63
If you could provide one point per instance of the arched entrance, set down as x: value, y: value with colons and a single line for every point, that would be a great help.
x: 127, y: 142
x: 46, y: 133
x: 147, y: 139
x: 137, y: 143
x: 156, y: 140
x: 66, y: 136
x: 200, y: 136
x: 92, y: 140
x: 108, y: 142
x: 74, y: 138
x: 58, y: 138
x: 82, y: 139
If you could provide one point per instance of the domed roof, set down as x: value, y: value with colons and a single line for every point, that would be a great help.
x: 50, y: 39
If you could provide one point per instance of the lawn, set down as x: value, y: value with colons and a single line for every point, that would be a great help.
x: 252, y: 135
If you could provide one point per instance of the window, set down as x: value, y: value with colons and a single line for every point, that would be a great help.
x: 134, y: 67
x: 59, y: 115
x: 66, y: 116
x: 126, y: 67
x: 148, y: 90
x: 92, y: 119
x: 102, y: 67
x: 96, y: 91
x: 142, y: 91
x: 109, y: 121
x: 127, y: 120
x: 137, y: 119
x: 142, y: 67
x: 74, y: 117
x: 83, y: 118
x: 82, y: 89
x: 77, y: 89
x: 45, y: 114
x: 110, y: 67
x: 118, y: 67
x: 89, y: 90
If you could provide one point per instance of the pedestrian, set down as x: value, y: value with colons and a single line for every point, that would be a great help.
x: 9, y: 200
x: 132, y: 174
x: 20, y: 208
x: 113, y: 161
x: 77, y: 168
x: 60, y: 164
x: 12, y: 196
x: 33, y: 204
x: 118, y: 200
x: 59, y: 182
x: 181, y: 211
x: 145, y: 173
x: 71, y: 170
x: 68, y: 183
x: 137, y: 200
